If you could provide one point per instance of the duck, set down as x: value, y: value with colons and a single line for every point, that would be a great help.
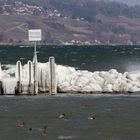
x: 91, y: 118
x: 44, y: 133
x: 22, y: 124
x: 61, y: 116
x: 86, y: 106
x: 30, y: 129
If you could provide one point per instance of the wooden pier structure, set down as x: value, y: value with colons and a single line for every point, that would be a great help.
x: 30, y: 82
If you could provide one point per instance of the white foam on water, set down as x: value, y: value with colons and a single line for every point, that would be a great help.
x: 10, y: 70
x: 133, y: 67
x: 25, y: 46
x: 136, y: 48
x: 62, y: 137
x: 22, y: 58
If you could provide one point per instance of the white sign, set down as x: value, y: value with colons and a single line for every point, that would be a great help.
x: 34, y: 35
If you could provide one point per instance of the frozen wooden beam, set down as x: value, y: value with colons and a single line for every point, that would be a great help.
x: 1, y: 88
x: 18, y: 89
x: 30, y: 84
x: 35, y: 75
x: 52, y: 77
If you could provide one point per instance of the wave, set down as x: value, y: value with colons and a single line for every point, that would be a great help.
x: 25, y: 46
x: 62, y: 137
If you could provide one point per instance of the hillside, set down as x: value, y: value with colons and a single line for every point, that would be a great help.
x: 70, y: 22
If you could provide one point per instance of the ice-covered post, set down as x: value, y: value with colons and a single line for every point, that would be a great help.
x: 18, y: 77
x: 30, y: 78
x: 0, y: 70
x: 52, y: 77
x: 1, y: 88
x: 35, y: 71
x: 1, y: 85
x: 34, y: 36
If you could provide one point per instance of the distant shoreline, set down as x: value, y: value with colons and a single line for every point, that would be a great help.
x: 31, y: 45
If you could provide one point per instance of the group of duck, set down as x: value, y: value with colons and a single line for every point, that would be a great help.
x: 44, y: 131
x: 23, y: 124
x: 63, y: 116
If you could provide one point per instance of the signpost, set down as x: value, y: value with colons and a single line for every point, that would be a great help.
x: 34, y: 36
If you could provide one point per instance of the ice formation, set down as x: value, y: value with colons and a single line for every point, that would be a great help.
x: 70, y: 80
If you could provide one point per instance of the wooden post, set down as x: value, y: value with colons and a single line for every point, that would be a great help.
x: 1, y: 88
x: 30, y: 90
x: 35, y: 71
x: 52, y: 77
x: 0, y: 70
x: 18, y: 89
x: 1, y: 85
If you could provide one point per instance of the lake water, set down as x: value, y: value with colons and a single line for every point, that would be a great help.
x: 117, y: 117
x: 122, y: 58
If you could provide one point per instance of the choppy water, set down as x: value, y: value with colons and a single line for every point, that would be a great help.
x: 117, y: 117
x: 122, y: 58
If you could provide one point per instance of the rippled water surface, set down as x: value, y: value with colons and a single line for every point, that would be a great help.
x: 116, y: 117
x: 122, y: 58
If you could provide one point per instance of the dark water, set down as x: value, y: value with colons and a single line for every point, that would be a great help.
x: 122, y: 58
x: 116, y: 117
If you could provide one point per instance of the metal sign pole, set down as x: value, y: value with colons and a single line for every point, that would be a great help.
x: 35, y: 70
x: 34, y: 36
x: 35, y: 48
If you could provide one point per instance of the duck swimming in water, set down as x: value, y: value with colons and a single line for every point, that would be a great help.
x: 61, y: 116
x: 30, y: 129
x: 86, y: 106
x: 44, y: 133
x: 22, y: 124
x: 91, y: 118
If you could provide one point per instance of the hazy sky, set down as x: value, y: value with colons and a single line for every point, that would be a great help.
x: 131, y: 2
